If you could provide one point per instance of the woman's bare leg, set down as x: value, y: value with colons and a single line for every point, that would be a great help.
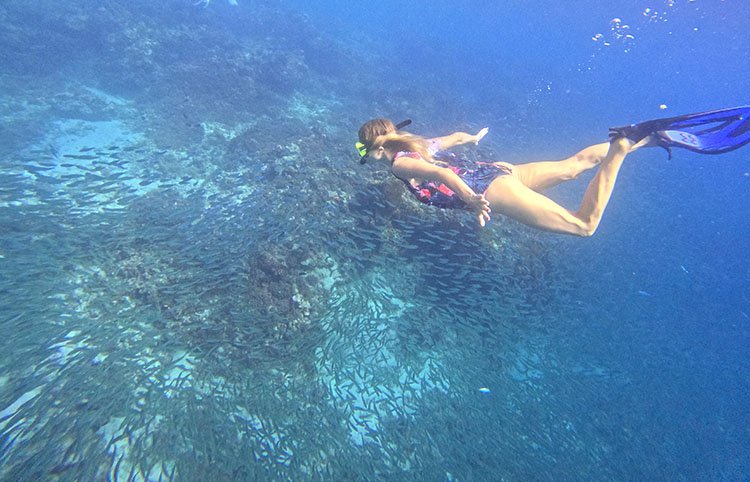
x: 546, y: 174
x: 599, y: 190
x: 510, y: 196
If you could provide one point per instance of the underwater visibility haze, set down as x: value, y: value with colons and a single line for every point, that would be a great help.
x: 198, y: 280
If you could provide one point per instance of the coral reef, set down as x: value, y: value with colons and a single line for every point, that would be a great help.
x: 191, y: 256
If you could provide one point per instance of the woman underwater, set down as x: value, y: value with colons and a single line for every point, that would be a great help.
x: 441, y: 179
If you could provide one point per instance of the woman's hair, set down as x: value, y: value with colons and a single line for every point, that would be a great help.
x: 373, y: 129
x: 382, y: 132
x: 399, y: 141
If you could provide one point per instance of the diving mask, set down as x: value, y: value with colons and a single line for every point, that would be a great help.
x: 362, y: 149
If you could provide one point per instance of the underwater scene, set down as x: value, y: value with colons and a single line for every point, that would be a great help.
x: 200, y: 282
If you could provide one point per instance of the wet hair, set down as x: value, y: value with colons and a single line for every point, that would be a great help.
x: 403, y: 141
x: 373, y: 129
x: 393, y: 140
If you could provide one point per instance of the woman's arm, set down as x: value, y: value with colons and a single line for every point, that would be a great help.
x: 408, y: 167
x: 458, y: 138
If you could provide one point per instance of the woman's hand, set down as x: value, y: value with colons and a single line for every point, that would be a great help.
x: 479, y: 135
x: 481, y: 208
x: 505, y: 165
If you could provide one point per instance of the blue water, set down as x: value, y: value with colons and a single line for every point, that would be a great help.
x: 199, y: 282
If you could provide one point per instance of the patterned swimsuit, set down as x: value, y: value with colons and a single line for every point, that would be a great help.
x: 477, y: 175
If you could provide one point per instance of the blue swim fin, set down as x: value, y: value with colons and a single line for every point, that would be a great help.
x: 711, y: 132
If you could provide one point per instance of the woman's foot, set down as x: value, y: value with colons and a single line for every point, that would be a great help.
x: 622, y: 144
x: 649, y: 141
x: 634, y: 132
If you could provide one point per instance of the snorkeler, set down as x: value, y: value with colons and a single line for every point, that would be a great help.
x: 442, y: 179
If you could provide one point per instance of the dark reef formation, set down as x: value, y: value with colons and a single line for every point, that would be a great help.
x: 247, y: 103
x: 182, y: 186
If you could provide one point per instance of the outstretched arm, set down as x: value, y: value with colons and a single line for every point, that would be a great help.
x: 459, y: 138
x: 410, y: 168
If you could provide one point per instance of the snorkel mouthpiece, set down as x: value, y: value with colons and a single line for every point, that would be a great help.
x: 362, y: 149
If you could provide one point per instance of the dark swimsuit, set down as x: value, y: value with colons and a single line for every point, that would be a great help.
x: 477, y: 175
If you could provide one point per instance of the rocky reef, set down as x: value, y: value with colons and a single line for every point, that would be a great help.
x: 202, y: 281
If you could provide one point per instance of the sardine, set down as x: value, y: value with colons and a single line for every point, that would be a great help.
x: 80, y: 157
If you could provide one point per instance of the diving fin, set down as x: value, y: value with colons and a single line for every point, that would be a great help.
x: 712, y: 132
